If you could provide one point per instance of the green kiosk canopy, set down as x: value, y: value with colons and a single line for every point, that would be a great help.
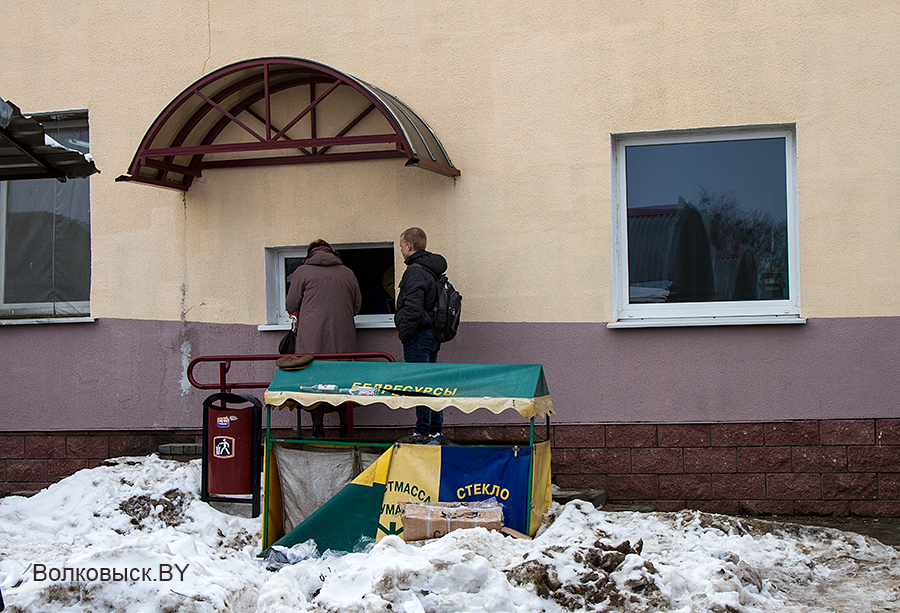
x: 495, y: 387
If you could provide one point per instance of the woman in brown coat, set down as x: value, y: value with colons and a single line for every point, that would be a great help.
x: 327, y: 295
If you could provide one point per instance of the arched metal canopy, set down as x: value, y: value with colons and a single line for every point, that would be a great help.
x: 280, y: 110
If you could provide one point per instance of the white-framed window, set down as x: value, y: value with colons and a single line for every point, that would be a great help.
x: 45, y: 235
x: 705, y: 227
x: 372, y: 263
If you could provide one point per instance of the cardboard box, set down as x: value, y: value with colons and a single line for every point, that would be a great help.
x: 435, y: 519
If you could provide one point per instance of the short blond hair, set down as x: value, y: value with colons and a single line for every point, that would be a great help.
x: 416, y: 237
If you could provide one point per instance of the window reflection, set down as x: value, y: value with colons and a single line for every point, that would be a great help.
x: 707, y: 221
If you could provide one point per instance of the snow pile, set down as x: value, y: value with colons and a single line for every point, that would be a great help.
x: 140, y: 516
x: 139, y: 520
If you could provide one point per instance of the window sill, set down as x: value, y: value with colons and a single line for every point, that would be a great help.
x: 370, y: 322
x: 732, y: 320
x: 47, y: 320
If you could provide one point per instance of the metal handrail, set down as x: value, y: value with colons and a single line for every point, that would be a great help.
x: 225, y: 365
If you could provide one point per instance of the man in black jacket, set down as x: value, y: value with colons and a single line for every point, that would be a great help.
x: 415, y: 300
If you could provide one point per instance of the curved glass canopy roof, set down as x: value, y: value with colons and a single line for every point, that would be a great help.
x: 280, y: 110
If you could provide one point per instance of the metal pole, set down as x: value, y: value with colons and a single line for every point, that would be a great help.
x: 268, y: 468
x: 530, y: 486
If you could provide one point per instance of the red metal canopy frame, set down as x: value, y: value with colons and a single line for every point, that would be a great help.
x: 228, y: 119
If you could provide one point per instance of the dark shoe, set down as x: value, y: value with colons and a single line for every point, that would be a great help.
x: 412, y: 438
x: 318, y: 432
x: 293, y: 362
x: 419, y: 438
x: 342, y: 430
x: 435, y: 439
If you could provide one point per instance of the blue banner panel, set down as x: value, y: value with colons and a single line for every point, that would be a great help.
x: 480, y: 473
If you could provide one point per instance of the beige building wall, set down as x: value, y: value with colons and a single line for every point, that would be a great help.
x: 523, y: 95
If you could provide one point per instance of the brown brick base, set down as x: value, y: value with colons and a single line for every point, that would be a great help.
x: 34, y: 460
x: 812, y: 467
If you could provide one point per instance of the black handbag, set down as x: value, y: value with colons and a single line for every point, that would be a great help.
x: 288, y: 343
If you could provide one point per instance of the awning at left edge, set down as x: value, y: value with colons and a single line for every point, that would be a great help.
x: 27, y: 152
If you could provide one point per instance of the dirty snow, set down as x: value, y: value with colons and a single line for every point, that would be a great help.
x: 141, y: 519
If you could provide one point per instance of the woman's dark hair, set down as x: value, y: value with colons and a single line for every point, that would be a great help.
x: 318, y: 245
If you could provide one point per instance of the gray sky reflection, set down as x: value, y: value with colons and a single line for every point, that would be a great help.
x: 752, y: 171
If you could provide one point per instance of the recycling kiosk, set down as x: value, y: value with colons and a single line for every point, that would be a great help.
x: 367, y: 508
x: 230, y: 454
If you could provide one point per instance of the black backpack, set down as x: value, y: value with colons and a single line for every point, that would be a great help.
x: 447, y: 309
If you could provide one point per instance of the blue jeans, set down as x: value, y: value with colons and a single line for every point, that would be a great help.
x: 423, y: 347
